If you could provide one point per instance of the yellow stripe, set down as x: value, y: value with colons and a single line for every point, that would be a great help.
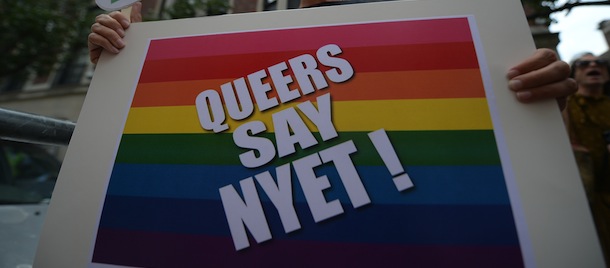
x: 393, y: 115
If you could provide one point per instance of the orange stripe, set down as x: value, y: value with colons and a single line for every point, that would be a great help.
x: 463, y: 83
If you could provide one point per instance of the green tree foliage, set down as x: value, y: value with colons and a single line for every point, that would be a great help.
x: 35, y: 33
x: 194, y: 8
x: 539, y: 11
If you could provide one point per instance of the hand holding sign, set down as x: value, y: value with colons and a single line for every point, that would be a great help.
x: 109, y: 29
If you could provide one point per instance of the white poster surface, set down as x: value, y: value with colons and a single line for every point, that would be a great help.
x: 267, y: 139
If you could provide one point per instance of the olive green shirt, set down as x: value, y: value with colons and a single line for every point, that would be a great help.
x: 589, y: 118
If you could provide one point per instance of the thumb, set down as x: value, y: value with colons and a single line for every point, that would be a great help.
x: 136, y: 12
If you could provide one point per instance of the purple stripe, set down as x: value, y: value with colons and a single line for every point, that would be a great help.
x: 143, y: 249
x: 374, y: 223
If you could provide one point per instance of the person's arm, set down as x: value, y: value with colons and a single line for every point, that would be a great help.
x: 108, y: 31
x: 542, y: 76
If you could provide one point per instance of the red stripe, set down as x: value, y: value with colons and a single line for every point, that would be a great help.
x: 363, y: 59
x: 370, y: 34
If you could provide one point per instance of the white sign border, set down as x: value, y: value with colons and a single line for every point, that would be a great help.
x: 555, y: 212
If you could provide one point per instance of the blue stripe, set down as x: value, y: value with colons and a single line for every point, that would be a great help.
x: 374, y: 223
x: 433, y: 184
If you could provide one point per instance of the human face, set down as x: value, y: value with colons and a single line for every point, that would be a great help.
x: 592, y: 74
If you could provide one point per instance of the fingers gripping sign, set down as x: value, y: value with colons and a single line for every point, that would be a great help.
x: 109, y: 29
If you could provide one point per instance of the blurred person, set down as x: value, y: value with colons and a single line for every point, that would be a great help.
x: 539, y: 77
x: 587, y: 118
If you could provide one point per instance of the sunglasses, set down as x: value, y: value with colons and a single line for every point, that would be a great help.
x: 587, y: 63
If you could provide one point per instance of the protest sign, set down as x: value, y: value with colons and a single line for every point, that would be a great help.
x: 359, y: 136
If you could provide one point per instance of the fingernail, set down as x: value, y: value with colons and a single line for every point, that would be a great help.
x: 120, y: 43
x: 512, y: 73
x: 121, y: 32
x: 524, y: 95
x: 515, y: 85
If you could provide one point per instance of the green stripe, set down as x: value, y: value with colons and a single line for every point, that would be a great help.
x: 477, y: 147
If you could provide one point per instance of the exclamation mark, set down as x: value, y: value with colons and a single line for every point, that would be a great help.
x: 390, y: 158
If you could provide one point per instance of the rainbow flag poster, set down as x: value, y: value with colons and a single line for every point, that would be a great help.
x: 348, y: 145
